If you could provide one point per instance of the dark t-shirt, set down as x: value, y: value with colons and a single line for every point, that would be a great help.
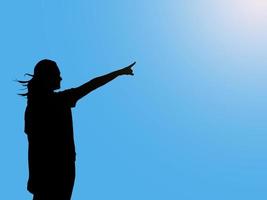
x: 48, y: 125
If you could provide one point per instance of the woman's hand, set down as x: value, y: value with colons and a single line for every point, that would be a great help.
x: 127, y: 70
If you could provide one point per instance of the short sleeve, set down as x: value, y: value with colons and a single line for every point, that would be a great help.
x: 68, y: 97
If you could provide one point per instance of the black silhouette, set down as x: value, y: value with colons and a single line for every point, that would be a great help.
x: 48, y: 125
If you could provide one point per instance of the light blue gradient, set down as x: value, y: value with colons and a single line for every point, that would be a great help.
x: 190, y: 125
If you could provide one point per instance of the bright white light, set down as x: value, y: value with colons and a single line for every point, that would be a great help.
x: 250, y: 13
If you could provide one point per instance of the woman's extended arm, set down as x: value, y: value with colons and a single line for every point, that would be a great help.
x: 95, y: 83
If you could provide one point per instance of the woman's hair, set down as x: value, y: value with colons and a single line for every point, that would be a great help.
x: 42, y: 71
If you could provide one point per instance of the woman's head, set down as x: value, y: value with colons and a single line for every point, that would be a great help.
x: 48, y: 74
x: 46, y: 78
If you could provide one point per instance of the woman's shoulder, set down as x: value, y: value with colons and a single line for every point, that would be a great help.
x: 66, y: 97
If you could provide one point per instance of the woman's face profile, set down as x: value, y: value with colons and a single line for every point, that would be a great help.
x: 55, y: 79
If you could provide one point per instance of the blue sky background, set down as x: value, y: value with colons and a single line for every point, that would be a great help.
x: 191, y: 124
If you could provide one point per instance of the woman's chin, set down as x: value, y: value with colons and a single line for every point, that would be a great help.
x: 56, y: 87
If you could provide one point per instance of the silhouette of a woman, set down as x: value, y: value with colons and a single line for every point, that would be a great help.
x: 48, y: 125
